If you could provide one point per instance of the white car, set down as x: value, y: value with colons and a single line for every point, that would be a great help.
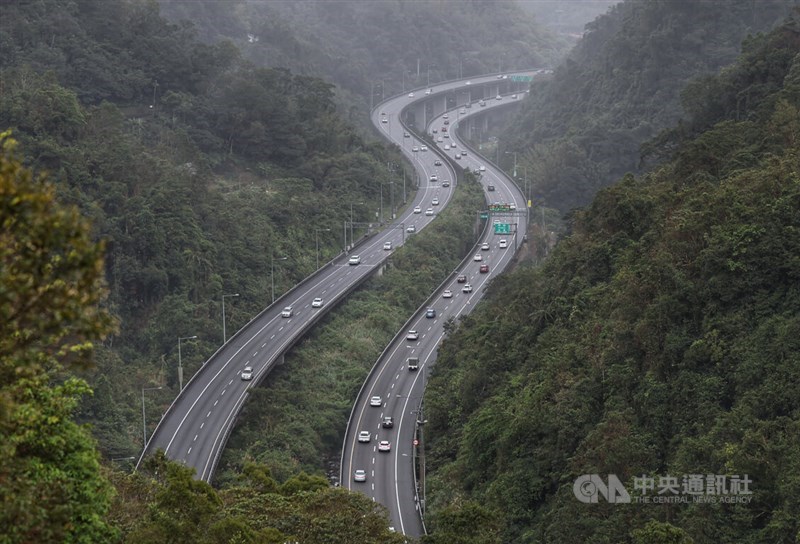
x: 502, y: 244
x: 462, y: 111
x: 417, y: 209
x: 384, y: 446
x: 440, y: 139
x: 415, y: 149
x: 376, y: 401
x: 467, y: 288
x: 485, y: 246
x: 387, y: 246
x: 287, y: 312
x: 364, y: 437
x: 406, y: 135
x: 411, y: 228
x: 429, y: 211
x: 384, y: 120
x: 477, y: 257
x: 447, y: 293
x: 317, y: 303
x: 482, y: 168
x: 435, y: 201
x: 354, y: 260
x: 360, y: 475
x: 412, y: 335
x: 247, y: 373
x: 445, y: 116
x: 513, y: 97
x: 411, y: 95
x: 447, y: 147
x: 434, y: 177
x: 423, y: 148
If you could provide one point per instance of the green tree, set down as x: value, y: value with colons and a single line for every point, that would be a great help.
x: 51, y: 287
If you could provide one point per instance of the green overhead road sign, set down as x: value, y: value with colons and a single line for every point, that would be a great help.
x: 502, y: 228
x: 484, y: 215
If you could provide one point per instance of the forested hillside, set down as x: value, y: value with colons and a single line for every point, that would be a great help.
x: 379, y: 47
x: 193, y: 165
x: 659, y: 339
x: 621, y: 85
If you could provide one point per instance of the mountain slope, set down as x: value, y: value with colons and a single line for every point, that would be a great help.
x: 661, y: 339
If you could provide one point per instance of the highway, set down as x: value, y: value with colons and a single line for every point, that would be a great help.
x: 395, y: 389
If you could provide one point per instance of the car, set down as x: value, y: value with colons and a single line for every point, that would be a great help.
x: 463, y: 153
x: 467, y: 288
x: 411, y: 95
x: 406, y: 135
x: 388, y: 422
x: 453, y: 144
x: 413, y: 363
x: 417, y: 209
x: 484, y: 269
x: 423, y: 148
x: 447, y: 121
x: 482, y: 103
x: 384, y: 120
x: 447, y: 147
x: 505, y: 76
x: 485, y: 246
x: 354, y: 260
x: 247, y: 373
x: 376, y: 401
x: 387, y: 246
x: 499, y: 76
x: 427, y: 91
x: 435, y: 201
x: 415, y: 149
x: 461, y: 278
x: 411, y: 228
x: 513, y: 97
x: 434, y: 177
x: 435, y: 131
x: 476, y: 172
x: 446, y: 183
x: 446, y: 116
x: 482, y: 168
x: 430, y: 313
x: 462, y: 111
x: 490, y: 187
x: 477, y: 257
x: 437, y: 162
x: 287, y: 312
x: 468, y: 83
x: 317, y: 303
x: 429, y: 211
x: 498, y: 97
x: 360, y: 475
x: 364, y: 437
x: 412, y: 335
x: 444, y: 130
x: 512, y: 206
x: 457, y: 157
x: 447, y: 293
x: 446, y: 135
x: 384, y: 446
x: 502, y: 244
x: 440, y: 139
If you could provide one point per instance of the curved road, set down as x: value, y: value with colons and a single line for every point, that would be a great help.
x: 196, y: 426
x: 390, y: 477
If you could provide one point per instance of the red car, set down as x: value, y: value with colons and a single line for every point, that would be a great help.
x: 484, y: 268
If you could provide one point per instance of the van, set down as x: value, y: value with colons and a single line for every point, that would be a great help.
x: 413, y: 363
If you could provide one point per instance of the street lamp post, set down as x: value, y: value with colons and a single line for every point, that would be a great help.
x: 144, y: 421
x: 272, y: 272
x: 180, y: 360
x: 515, y: 161
x: 224, y: 333
x: 316, y: 233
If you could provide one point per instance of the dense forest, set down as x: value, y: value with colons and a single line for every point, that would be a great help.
x: 660, y: 338
x: 622, y: 84
x: 382, y: 47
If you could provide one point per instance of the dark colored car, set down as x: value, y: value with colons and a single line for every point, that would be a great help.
x: 461, y: 278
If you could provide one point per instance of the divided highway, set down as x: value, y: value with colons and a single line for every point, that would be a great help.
x: 378, y: 456
x: 197, y: 425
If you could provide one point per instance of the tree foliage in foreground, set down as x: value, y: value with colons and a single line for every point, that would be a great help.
x: 661, y: 338
x: 51, y: 290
